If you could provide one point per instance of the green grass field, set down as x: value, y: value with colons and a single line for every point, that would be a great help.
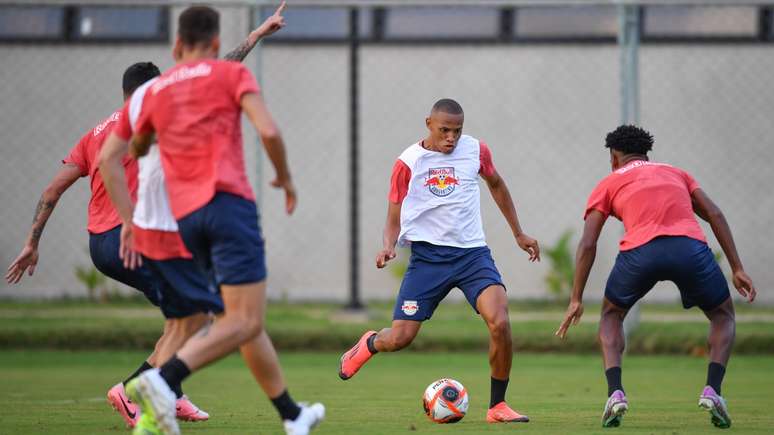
x: 665, y: 328
x: 58, y: 392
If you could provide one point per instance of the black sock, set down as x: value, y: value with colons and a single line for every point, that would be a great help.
x: 177, y: 389
x: 287, y: 408
x: 174, y: 371
x: 143, y: 367
x: 370, y: 344
x: 497, y: 392
x: 613, y: 375
x: 715, y: 373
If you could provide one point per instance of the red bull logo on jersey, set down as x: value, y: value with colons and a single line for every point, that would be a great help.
x: 441, y: 181
x: 410, y: 307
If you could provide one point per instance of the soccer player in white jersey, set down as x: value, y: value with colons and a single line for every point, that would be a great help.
x: 434, y: 206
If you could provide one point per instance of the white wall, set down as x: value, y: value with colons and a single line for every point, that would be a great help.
x: 544, y: 110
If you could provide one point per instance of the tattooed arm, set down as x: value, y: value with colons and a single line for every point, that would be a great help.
x: 268, y: 27
x: 28, y: 258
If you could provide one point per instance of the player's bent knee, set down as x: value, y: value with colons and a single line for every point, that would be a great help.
x: 500, y: 326
x: 252, y: 327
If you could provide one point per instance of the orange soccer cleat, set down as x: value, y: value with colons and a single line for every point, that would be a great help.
x: 502, y: 413
x: 355, y: 358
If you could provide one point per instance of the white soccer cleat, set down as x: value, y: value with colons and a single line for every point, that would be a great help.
x: 157, y: 401
x: 309, y: 417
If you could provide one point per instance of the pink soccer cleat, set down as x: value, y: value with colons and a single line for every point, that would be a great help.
x: 130, y: 412
x: 356, y: 357
x: 502, y: 413
x: 187, y: 411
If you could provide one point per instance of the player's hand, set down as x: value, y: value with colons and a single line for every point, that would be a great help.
x: 290, y: 193
x: 384, y: 256
x: 272, y: 24
x: 132, y: 259
x: 744, y: 285
x: 529, y: 245
x: 571, y: 317
x: 26, y: 261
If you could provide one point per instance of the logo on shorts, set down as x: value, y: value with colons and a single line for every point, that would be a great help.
x: 410, y: 307
x: 441, y: 181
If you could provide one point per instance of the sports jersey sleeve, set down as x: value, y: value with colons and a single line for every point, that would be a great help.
x: 123, y: 128
x: 144, y: 124
x: 487, y: 168
x: 599, y: 200
x: 77, y: 156
x: 690, y: 181
x: 399, y: 182
x: 243, y: 81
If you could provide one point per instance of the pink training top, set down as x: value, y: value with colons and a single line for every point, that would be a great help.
x: 652, y: 200
x: 195, y: 110
x: 401, y: 174
x: 102, y: 216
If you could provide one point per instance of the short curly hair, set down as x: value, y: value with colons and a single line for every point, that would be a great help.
x: 629, y: 139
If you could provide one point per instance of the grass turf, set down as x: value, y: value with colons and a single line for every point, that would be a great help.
x: 454, y: 327
x: 57, y: 392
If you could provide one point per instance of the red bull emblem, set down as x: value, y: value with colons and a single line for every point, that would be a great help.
x: 410, y: 307
x: 441, y: 181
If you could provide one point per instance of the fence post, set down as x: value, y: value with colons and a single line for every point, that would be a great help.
x: 629, y: 18
x: 354, y: 164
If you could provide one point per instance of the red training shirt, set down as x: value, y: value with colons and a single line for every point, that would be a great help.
x: 652, y: 200
x: 194, y: 108
x: 102, y: 215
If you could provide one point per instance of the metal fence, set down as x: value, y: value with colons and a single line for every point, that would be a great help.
x: 541, y: 82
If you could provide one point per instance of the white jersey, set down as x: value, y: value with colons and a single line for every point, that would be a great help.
x: 442, y: 204
x: 152, y: 211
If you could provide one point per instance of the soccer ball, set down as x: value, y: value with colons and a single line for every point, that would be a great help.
x: 445, y: 401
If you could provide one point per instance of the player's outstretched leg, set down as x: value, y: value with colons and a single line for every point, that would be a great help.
x: 492, y: 303
x: 261, y: 358
x: 721, y: 339
x: 611, y: 336
x: 393, y: 339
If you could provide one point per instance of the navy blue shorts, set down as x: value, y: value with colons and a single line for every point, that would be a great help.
x: 185, y: 289
x: 104, y: 247
x: 224, y: 237
x: 434, y: 270
x: 687, y: 262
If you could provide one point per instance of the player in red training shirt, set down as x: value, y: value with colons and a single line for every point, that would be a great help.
x: 194, y: 110
x: 663, y: 242
x: 104, y: 226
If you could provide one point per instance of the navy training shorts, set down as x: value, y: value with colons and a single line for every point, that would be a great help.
x: 687, y: 262
x: 185, y: 288
x: 103, y: 248
x: 225, y: 238
x: 433, y: 271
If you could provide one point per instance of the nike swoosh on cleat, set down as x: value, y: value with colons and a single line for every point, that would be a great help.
x: 130, y: 414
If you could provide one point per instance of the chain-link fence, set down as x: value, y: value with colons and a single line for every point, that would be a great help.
x: 541, y: 84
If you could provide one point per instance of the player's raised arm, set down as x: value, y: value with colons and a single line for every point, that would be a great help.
x: 706, y: 209
x: 28, y: 257
x: 270, y: 26
x: 256, y: 110
x: 584, y: 259
x: 502, y: 197
x: 390, y: 235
